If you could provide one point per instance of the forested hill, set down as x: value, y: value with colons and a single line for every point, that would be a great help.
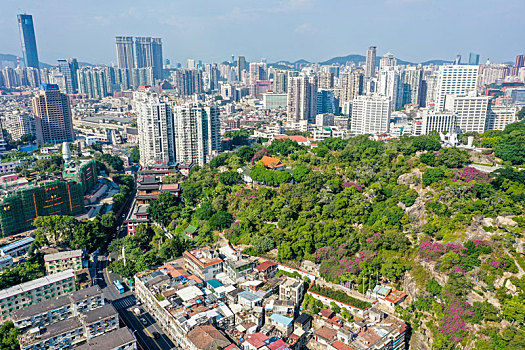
x: 412, y: 214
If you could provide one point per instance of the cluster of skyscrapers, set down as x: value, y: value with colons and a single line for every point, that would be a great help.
x: 140, y: 53
x: 185, y: 127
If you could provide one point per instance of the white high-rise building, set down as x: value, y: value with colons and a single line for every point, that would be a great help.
x: 455, y: 79
x: 388, y: 60
x: 371, y: 114
x: 155, y: 129
x: 280, y: 82
x: 302, y: 98
x: 388, y: 85
x: 438, y: 121
x: 500, y: 116
x: 197, y: 133
x: 431, y: 83
x: 471, y: 111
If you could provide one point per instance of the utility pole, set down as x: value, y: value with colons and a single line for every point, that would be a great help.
x: 124, y: 255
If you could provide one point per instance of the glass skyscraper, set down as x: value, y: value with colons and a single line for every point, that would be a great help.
x: 28, y: 41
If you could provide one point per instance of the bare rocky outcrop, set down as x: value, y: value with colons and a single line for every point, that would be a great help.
x: 417, y: 209
x: 411, y: 179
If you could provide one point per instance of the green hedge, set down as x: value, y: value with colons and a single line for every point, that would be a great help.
x: 340, y: 296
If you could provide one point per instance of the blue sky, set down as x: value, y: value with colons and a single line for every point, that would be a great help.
x: 213, y: 30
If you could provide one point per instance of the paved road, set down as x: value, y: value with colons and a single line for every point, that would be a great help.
x: 125, y: 303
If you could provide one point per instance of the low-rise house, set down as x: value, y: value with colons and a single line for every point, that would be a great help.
x: 255, y: 341
x: 101, y: 320
x: 339, y: 345
x: 207, y: 337
x: 304, y: 322
x: 233, y: 295
x: 58, y: 262
x: 120, y: 339
x: 203, y: 262
x: 292, y: 289
x: 388, y: 333
x: 28, y: 293
x: 282, y: 323
x: 297, y: 339
x: 47, y: 312
x: 223, y: 291
x: 6, y: 261
x: 213, y: 284
x: 254, y: 315
x: 272, y: 163
x: 279, y: 344
x: 238, y: 269
x: 326, y: 313
x: 72, y: 331
x: 267, y: 269
x: 284, y: 307
x: 17, y: 248
x: 344, y: 334
x: 191, y: 231
x: 395, y: 297
x: 325, y: 335
x: 248, y: 299
x: 303, y: 141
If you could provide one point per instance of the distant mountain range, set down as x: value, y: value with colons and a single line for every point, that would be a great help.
x: 356, y: 59
x: 4, y: 58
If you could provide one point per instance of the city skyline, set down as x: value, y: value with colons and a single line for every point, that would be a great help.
x: 213, y: 32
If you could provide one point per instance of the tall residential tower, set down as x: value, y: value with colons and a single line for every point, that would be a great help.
x: 53, y: 119
x: 197, y: 133
x: 69, y: 69
x: 302, y: 98
x: 125, y: 57
x: 370, y: 69
x: 155, y: 128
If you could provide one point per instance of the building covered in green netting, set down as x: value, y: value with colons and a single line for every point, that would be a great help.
x: 20, y: 205
x: 85, y: 173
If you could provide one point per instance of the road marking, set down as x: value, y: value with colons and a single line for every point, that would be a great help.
x: 107, y: 275
x: 147, y: 331
x: 141, y: 336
